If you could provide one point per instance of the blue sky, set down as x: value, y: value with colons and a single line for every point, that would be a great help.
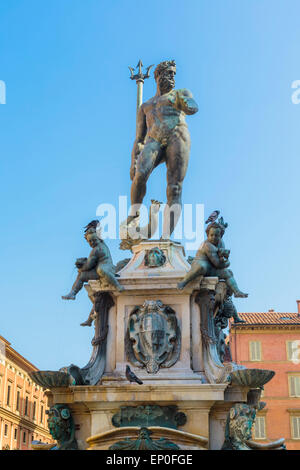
x: 68, y: 126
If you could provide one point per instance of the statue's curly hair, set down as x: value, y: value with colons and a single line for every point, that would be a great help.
x: 215, y: 225
x: 163, y: 66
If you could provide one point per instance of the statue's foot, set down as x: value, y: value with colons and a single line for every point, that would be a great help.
x: 87, y: 323
x: 120, y: 288
x: 240, y: 294
x: 70, y: 296
x: 181, y: 285
x: 238, y: 320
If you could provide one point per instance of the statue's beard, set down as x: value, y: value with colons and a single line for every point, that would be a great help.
x: 165, y: 84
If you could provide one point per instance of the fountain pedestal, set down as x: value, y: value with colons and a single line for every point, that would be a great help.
x: 167, y: 337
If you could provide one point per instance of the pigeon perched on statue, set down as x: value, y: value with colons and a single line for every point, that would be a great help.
x: 213, y: 216
x: 93, y: 224
x: 131, y: 376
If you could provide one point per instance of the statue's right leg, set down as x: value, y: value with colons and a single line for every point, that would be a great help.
x: 146, y: 162
x: 198, y: 269
x: 82, y: 277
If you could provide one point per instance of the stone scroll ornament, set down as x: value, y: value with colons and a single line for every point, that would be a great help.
x: 215, y: 310
x: 94, y: 370
x: 91, y: 373
x: 153, y: 337
x: 61, y: 427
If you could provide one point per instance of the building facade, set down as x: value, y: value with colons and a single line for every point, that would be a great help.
x: 271, y: 340
x: 22, y: 403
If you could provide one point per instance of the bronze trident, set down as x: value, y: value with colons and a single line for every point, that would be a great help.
x: 139, y: 78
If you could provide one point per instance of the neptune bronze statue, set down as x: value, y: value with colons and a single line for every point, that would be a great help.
x: 162, y: 136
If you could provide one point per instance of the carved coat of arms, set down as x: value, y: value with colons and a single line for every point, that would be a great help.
x: 153, y: 337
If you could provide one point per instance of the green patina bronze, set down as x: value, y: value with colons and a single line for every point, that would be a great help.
x: 162, y: 136
x: 154, y: 258
x: 61, y: 427
x: 149, y: 415
x: 239, y: 425
x: 144, y: 442
x: 212, y: 260
x: 98, y: 266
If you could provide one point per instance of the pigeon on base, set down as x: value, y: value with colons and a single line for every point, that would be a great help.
x: 131, y: 376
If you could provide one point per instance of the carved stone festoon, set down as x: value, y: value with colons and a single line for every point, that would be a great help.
x: 149, y: 415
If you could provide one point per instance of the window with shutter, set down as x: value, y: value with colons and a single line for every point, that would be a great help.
x: 255, y: 351
x: 296, y: 427
x: 26, y: 406
x: 8, y: 395
x: 260, y: 428
x: 294, y: 381
x: 18, y: 401
x: 293, y: 351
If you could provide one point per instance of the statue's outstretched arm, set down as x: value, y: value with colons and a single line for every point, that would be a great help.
x: 187, y: 102
x: 91, y: 263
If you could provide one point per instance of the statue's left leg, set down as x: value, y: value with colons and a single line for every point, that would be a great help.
x: 227, y: 274
x: 177, y: 158
x: 82, y: 277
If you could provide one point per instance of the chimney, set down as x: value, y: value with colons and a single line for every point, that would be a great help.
x: 298, y: 305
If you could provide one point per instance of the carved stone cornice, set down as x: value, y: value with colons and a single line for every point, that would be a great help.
x: 21, y: 420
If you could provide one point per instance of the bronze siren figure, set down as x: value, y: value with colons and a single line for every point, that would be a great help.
x: 162, y: 136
